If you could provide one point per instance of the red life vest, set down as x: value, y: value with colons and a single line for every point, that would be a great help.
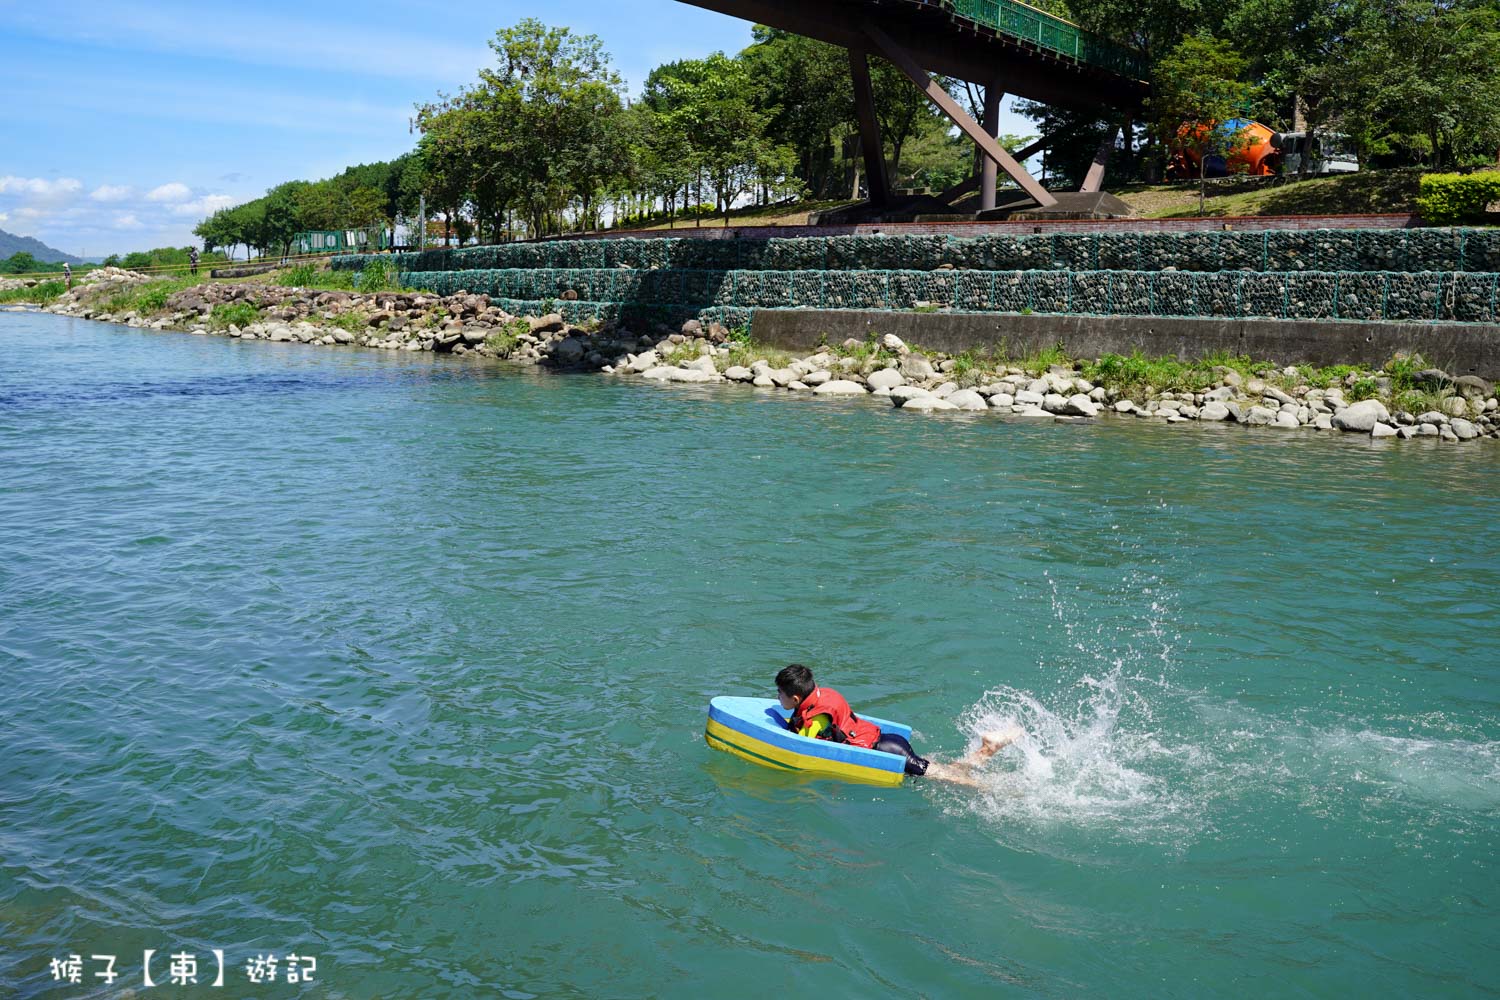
x: 847, y: 727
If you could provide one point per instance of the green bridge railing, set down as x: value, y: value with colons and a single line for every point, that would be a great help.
x: 1051, y: 33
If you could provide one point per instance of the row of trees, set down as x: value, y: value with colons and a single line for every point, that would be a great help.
x: 547, y: 140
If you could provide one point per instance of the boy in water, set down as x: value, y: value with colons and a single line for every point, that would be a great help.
x: 823, y: 714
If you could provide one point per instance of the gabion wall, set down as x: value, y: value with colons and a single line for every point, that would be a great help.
x: 1353, y: 294
x: 1321, y: 250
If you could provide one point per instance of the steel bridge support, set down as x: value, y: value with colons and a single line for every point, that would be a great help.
x: 869, y: 128
x: 993, y: 151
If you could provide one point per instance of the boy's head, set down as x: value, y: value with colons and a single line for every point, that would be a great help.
x: 793, y: 683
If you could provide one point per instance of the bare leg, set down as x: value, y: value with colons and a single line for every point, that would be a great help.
x: 961, y: 772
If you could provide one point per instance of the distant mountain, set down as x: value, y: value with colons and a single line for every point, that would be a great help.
x: 12, y: 244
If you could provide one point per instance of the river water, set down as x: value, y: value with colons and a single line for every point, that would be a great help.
x: 401, y: 663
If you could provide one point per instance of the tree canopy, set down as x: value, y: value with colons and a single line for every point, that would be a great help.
x: 546, y: 140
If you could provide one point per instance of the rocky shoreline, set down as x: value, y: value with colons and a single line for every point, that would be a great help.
x: 1462, y: 408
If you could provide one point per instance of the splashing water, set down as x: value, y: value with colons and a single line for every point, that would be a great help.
x: 1093, y: 757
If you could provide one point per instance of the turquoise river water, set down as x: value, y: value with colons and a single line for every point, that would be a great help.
x: 401, y: 663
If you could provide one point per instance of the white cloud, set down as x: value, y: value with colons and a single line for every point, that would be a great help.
x: 127, y: 221
x: 205, y: 206
x: 40, y: 187
x: 173, y: 192
x: 110, y: 192
x: 4, y: 217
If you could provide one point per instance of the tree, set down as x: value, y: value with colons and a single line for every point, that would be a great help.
x: 19, y: 262
x: 1197, y: 98
x: 1421, y: 77
x: 785, y: 69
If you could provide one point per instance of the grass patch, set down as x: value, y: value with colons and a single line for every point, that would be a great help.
x: 240, y: 314
x: 1365, y: 192
x: 41, y: 294
x: 354, y: 321
x: 504, y: 340
x: 313, y: 276
x: 145, y: 298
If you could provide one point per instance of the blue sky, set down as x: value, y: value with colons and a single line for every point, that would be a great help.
x: 126, y: 123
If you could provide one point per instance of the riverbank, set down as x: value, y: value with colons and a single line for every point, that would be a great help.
x: 1404, y: 399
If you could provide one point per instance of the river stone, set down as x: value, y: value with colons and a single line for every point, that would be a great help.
x: 945, y: 390
x: 894, y: 344
x: 1124, y: 406
x: 1079, y: 405
x: 886, y: 378
x: 1214, y: 411
x: 763, y: 382
x: 644, y: 362
x: 917, y: 367
x: 901, y: 393
x: 1362, y: 416
x: 1260, y: 416
x: 1279, y: 396
x: 1000, y: 399
x: 1286, y: 420
x: 1464, y: 430
x: 698, y: 364
x: 1054, y: 402
x: 1382, y: 431
x: 926, y: 404
x: 1455, y: 406
x: 738, y: 373
x: 1472, y: 387
x: 1323, y: 421
x: 968, y: 399
x: 840, y: 387
x: 817, y: 377
x: 1026, y: 397
x: 1033, y: 413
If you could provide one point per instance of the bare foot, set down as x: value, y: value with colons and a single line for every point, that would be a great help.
x: 992, y: 743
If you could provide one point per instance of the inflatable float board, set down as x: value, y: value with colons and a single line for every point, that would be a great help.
x: 755, y: 729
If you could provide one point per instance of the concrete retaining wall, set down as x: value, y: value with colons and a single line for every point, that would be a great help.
x: 1460, y: 349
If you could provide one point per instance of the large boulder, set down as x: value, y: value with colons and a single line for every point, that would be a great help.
x: 902, y: 393
x: 967, y: 399
x: 840, y: 387
x: 927, y: 404
x: 914, y: 366
x: 885, y: 378
x: 1361, y: 417
x: 1079, y: 405
x: 569, y: 351
x: 1473, y: 387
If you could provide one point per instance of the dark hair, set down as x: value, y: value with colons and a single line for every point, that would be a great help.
x: 795, y: 679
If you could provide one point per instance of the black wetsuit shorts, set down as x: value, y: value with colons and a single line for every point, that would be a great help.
x: 891, y: 743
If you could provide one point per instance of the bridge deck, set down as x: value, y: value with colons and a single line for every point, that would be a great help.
x: 1027, y: 52
x: 1048, y: 32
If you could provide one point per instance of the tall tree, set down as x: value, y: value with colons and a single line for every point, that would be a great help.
x: 1196, y: 98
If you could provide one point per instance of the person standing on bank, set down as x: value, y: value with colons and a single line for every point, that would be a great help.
x: 68, y: 276
x: 193, y: 259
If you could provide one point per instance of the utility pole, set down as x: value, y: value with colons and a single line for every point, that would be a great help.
x: 422, y: 222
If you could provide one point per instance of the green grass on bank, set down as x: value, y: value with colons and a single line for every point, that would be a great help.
x: 764, y: 215
x: 1371, y: 192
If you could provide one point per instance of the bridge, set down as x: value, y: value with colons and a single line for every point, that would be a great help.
x: 1004, y: 46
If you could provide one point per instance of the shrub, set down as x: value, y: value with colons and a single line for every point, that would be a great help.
x: 240, y: 314
x: 1446, y: 199
x: 379, y: 275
